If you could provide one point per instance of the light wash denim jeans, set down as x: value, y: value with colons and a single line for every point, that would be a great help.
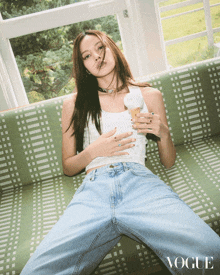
x: 124, y: 198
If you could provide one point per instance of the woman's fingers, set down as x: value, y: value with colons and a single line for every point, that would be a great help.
x: 125, y: 144
x: 148, y: 123
x: 121, y: 150
x: 118, y: 144
x: 145, y: 115
x: 122, y: 136
x: 142, y: 120
x: 122, y: 142
x: 119, y: 153
x: 142, y: 126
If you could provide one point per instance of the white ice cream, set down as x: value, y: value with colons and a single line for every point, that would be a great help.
x: 132, y: 101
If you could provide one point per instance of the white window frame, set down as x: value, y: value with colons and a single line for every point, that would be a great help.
x: 208, y: 20
x: 139, y: 26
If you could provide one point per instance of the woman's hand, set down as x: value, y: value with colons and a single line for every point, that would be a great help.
x: 150, y: 123
x: 109, y: 145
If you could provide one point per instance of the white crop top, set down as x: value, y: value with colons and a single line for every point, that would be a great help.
x: 122, y: 121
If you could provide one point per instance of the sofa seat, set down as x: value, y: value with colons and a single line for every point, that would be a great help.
x: 29, y: 212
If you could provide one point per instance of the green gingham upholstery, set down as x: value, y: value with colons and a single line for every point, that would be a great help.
x: 34, y: 191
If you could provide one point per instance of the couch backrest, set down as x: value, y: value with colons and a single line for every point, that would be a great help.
x: 30, y: 148
x: 31, y: 138
x: 192, y: 99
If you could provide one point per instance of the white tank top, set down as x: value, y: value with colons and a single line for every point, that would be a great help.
x: 122, y: 121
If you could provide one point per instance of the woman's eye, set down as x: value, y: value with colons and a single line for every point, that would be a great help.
x: 86, y: 57
x: 101, y: 47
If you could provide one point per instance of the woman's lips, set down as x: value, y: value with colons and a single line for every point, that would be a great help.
x: 100, y: 64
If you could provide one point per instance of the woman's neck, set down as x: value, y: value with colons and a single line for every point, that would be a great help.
x: 109, y: 82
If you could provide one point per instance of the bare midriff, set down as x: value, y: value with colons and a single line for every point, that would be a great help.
x: 90, y: 170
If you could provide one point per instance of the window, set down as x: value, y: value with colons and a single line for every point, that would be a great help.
x: 45, y: 58
x: 191, y: 29
x: 41, y: 28
x: 139, y: 25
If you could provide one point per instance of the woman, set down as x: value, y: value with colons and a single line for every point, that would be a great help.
x: 119, y: 195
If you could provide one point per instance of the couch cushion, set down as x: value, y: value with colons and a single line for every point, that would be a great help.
x: 28, y: 212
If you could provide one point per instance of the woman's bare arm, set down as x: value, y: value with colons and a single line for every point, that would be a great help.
x: 158, y: 125
x: 72, y: 163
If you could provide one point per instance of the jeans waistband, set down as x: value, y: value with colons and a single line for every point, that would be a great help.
x: 118, y: 166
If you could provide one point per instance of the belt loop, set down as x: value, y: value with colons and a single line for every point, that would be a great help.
x: 92, y: 177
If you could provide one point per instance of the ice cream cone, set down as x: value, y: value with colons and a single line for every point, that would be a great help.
x: 134, y: 112
x: 134, y: 103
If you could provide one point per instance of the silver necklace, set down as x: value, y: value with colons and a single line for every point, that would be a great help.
x: 109, y: 91
x: 105, y: 90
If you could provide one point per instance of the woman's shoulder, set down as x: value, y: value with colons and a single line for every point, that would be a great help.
x: 149, y: 92
x: 152, y: 98
x: 69, y: 101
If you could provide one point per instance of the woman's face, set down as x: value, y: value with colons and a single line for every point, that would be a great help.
x: 92, y: 51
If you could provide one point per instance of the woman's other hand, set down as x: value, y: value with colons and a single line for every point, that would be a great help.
x: 150, y: 123
x: 109, y: 144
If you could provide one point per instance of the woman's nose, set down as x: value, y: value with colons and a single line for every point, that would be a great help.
x: 97, y: 56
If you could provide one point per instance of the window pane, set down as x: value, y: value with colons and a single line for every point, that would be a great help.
x: 185, y: 24
x: 188, y: 52
x: 45, y: 58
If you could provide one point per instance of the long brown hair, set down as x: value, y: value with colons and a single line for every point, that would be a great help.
x: 87, y: 100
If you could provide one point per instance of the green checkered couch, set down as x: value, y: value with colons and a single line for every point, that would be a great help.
x: 35, y: 192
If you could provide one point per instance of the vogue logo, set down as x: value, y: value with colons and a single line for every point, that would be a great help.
x: 191, y: 263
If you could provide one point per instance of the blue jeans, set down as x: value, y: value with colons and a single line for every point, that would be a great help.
x: 125, y: 198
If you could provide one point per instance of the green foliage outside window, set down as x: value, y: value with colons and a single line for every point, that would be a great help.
x: 45, y: 59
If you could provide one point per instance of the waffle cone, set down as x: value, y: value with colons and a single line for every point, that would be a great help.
x: 134, y: 112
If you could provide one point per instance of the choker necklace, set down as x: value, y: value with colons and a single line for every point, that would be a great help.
x: 109, y: 91
x: 105, y: 90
